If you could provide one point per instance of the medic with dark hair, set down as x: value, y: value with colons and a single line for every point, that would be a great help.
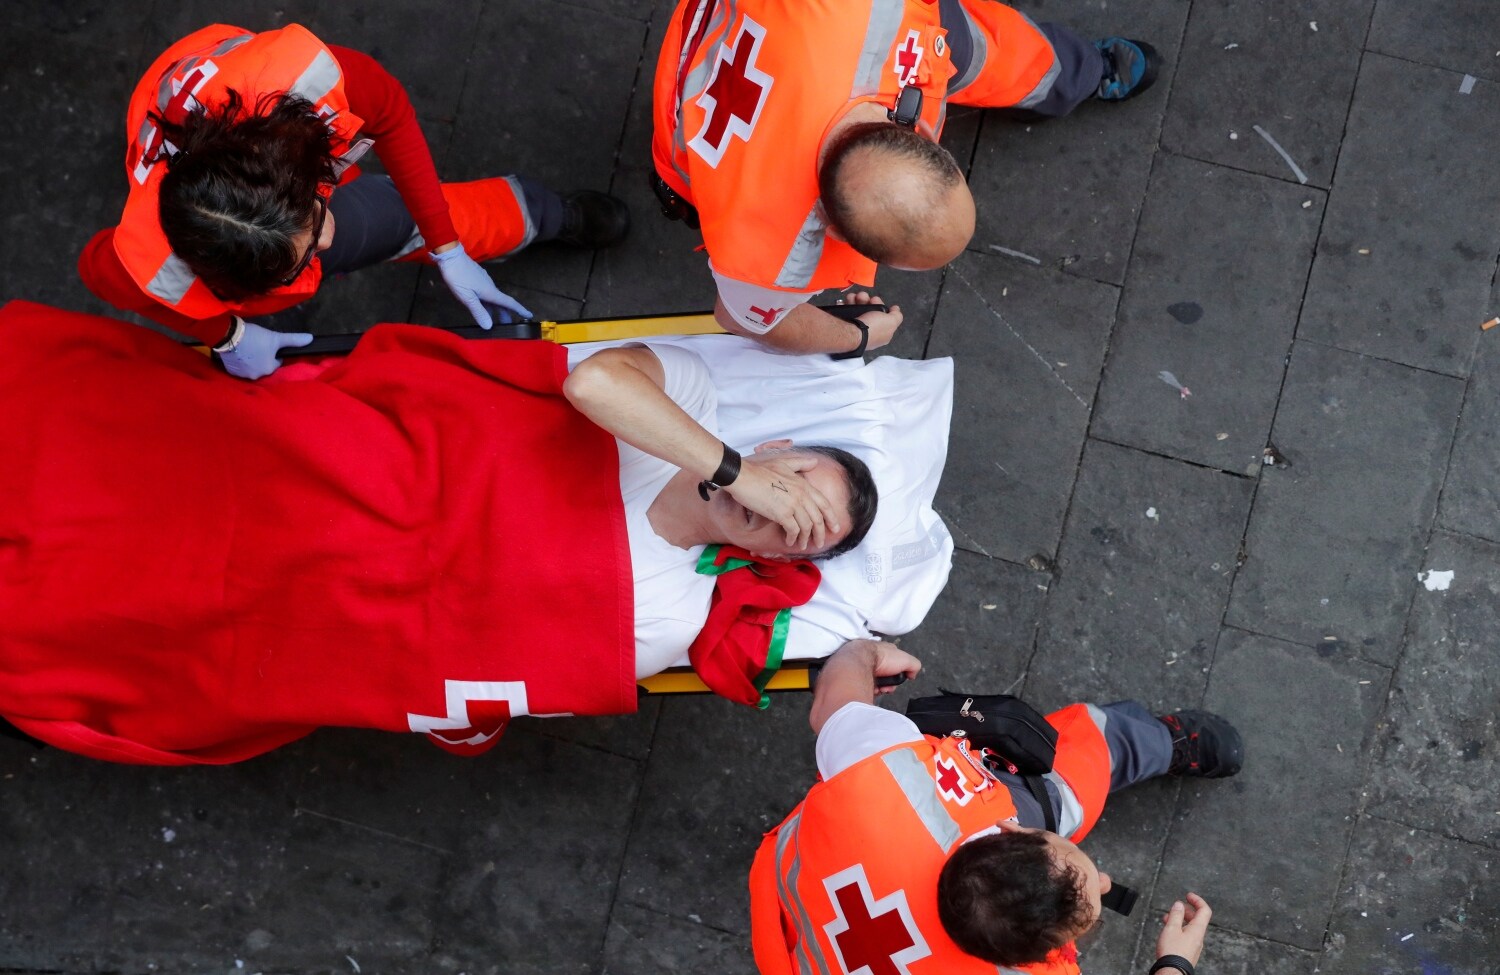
x: 244, y: 194
x: 802, y: 136
x: 915, y: 856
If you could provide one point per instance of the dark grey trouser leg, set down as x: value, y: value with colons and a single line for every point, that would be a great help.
x: 1081, y: 68
x: 543, y: 205
x: 1077, y: 70
x: 1140, y: 747
x: 374, y: 225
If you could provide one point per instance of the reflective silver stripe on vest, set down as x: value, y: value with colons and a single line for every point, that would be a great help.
x: 1101, y: 721
x: 530, y: 233
x: 319, y: 79
x: 802, y: 261
x: 1043, y: 87
x: 697, y: 79
x: 880, y: 37
x: 164, y: 90
x: 786, y: 887
x: 915, y: 781
x: 230, y: 44
x: 172, y: 280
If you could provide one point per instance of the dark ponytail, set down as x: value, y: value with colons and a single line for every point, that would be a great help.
x: 241, y: 187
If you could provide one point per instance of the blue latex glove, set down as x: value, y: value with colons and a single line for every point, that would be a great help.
x: 472, y: 286
x: 250, y: 352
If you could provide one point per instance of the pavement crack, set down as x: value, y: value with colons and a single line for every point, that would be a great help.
x: 1021, y: 338
x: 304, y: 811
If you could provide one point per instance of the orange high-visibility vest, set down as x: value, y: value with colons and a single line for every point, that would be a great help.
x: 196, y: 72
x: 849, y: 879
x: 745, y: 94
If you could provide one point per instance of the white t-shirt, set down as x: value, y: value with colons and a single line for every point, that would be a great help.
x: 856, y: 731
x: 757, y: 308
x: 671, y: 598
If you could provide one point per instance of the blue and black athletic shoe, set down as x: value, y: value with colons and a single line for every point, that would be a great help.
x: 1130, y: 67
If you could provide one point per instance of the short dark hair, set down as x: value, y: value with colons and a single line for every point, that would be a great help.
x: 241, y: 186
x: 864, y: 498
x: 879, y: 240
x: 1008, y: 900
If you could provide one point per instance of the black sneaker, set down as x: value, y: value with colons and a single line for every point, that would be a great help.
x: 1204, y: 745
x: 593, y: 219
x: 1130, y: 67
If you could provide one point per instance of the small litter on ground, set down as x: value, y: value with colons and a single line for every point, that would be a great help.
x: 1467, y: 85
x: 1485, y: 327
x: 1296, y: 170
x: 1010, y: 253
x: 1436, y: 580
x: 1171, y: 380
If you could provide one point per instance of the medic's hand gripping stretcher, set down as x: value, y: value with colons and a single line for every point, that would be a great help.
x: 794, y: 675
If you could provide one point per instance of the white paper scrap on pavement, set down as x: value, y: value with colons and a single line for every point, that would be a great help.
x: 1436, y: 580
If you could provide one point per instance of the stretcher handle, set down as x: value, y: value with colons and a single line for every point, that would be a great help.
x: 344, y: 344
x: 815, y: 668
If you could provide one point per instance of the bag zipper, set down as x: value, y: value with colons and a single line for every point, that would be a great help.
x: 967, y: 713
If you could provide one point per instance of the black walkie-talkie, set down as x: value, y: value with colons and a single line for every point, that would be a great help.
x: 1120, y: 899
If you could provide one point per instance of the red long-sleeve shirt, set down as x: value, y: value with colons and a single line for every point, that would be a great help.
x: 375, y: 96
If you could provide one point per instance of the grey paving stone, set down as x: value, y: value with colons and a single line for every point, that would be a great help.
x: 1463, y: 39
x: 979, y: 635
x: 1142, y: 581
x: 435, y: 72
x: 65, y: 79
x: 537, y: 859
x: 720, y: 776
x: 658, y: 268
x: 628, y: 735
x: 1215, y: 280
x: 1068, y: 192
x: 1027, y: 345
x: 1306, y: 717
x: 109, y: 865
x: 57, y: 891
x: 568, y: 140
x: 1265, y: 63
x: 1438, y: 761
x: 643, y: 942
x: 172, y: 20
x: 1367, y: 441
x: 1233, y: 953
x: 1414, y: 902
x: 1471, y: 493
x: 1405, y: 260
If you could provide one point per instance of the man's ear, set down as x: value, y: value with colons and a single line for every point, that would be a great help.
x: 781, y: 444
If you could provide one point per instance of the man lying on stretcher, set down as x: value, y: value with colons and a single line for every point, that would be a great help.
x: 427, y: 535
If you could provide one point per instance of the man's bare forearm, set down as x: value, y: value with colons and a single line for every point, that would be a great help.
x: 621, y: 390
x: 805, y: 330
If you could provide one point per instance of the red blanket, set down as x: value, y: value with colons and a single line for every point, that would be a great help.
x: 196, y: 569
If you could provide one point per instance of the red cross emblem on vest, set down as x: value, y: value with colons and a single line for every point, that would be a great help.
x: 870, y: 936
x: 909, y: 58
x: 950, y: 781
x: 735, y: 95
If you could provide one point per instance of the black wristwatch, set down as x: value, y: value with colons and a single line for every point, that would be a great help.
x: 1172, y: 961
x: 864, y: 340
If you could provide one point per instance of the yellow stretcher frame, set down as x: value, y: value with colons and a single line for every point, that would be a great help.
x: 794, y: 675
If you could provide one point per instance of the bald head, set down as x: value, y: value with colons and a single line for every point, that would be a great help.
x: 897, y: 197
